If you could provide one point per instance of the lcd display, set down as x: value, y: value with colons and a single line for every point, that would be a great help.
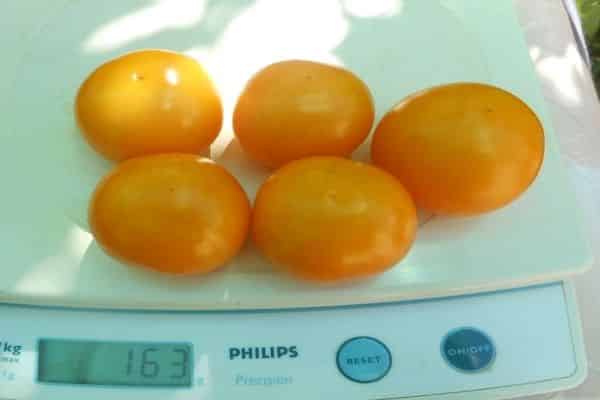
x: 83, y: 362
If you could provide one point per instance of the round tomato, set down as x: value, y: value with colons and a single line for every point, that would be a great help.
x: 295, y: 109
x: 149, y: 102
x: 331, y: 219
x: 174, y: 213
x: 462, y: 148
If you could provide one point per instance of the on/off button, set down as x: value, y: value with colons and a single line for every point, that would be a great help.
x: 468, y: 350
x: 364, y: 359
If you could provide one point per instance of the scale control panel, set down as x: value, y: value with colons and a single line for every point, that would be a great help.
x: 492, y: 345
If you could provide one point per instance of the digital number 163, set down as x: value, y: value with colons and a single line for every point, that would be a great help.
x: 145, y: 361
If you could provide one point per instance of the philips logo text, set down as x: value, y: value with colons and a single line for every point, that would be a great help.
x: 258, y: 353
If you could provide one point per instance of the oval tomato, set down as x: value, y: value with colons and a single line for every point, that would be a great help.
x: 331, y: 219
x: 173, y: 213
x: 463, y: 148
x: 149, y: 102
x: 294, y: 109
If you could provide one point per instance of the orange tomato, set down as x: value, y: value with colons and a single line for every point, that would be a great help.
x: 174, y: 213
x: 294, y: 109
x: 330, y: 219
x: 148, y: 102
x: 461, y: 149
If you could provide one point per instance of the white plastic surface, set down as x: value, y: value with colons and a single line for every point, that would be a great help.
x: 48, y: 256
x: 534, y: 330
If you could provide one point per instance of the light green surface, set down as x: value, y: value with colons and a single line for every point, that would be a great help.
x: 51, y: 259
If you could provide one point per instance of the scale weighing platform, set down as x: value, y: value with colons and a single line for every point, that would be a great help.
x: 481, y: 308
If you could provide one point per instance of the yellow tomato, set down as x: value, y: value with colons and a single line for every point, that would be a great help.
x: 173, y: 213
x: 462, y: 148
x: 330, y: 219
x: 295, y: 109
x: 149, y: 102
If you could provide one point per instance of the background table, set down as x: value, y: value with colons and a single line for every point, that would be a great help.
x: 571, y: 97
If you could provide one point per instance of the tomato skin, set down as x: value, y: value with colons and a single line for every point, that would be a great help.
x: 330, y: 219
x: 295, y: 109
x: 175, y: 213
x: 461, y: 149
x: 148, y: 102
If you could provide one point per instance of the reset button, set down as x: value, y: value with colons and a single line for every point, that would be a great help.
x: 364, y: 359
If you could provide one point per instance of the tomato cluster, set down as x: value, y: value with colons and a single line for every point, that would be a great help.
x: 457, y: 149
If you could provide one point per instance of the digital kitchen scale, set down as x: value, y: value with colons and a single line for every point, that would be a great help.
x: 485, y: 346
x: 479, y: 309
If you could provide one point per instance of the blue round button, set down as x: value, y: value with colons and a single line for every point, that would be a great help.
x: 364, y: 359
x: 468, y: 350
